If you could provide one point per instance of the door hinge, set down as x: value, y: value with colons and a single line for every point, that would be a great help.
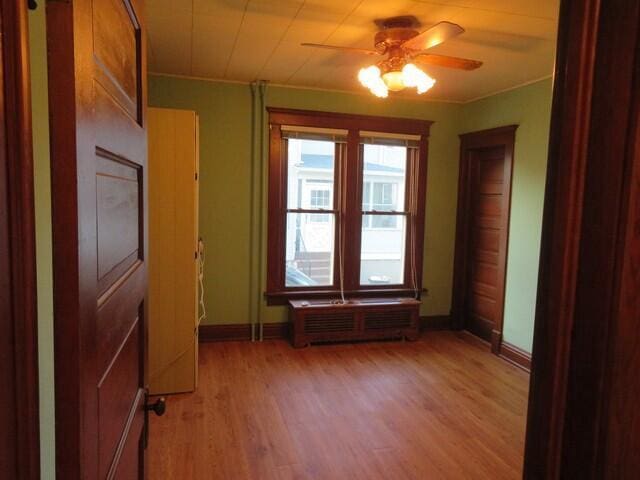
x: 196, y: 175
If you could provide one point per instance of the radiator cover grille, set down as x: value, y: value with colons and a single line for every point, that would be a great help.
x: 329, y: 322
x: 387, y: 320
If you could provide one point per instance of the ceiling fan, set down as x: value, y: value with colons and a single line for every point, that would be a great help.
x: 405, y: 46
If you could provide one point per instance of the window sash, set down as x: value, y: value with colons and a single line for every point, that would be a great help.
x: 314, y: 184
x: 368, y: 258
x: 311, y: 248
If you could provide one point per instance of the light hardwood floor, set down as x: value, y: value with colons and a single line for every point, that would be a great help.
x: 440, y: 407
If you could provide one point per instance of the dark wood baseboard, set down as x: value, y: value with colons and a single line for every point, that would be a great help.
x: 228, y: 332
x: 435, y: 322
x: 496, y: 341
x: 515, y: 355
x: 276, y: 331
x: 241, y: 332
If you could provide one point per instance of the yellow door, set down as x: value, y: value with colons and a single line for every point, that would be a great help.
x: 173, y: 247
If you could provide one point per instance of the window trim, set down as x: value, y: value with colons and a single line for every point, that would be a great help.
x: 347, y: 202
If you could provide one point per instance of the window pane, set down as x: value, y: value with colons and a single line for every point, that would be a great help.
x: 382, y: 250
x: 385, y: 169
x: 383, y: 221
x: 310, y: 247
x: 310, y: 174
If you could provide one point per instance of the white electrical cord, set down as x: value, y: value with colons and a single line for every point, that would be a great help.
x: 413, y: 191
x: 341, y: 253
x: 203, y: 315
x: 340, y: 249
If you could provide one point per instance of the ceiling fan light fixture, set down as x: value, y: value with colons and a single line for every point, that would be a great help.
x: 370, y: 78
x: 412, y: 76
x: 399, y: 40
x: 394, y: 80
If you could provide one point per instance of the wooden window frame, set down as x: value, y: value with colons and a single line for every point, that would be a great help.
x: 347, y: 202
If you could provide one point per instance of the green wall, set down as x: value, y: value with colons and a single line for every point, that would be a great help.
x: 225, y: 188
x: 225, y: 183
x: 530, y: 108
x: 42, y: 186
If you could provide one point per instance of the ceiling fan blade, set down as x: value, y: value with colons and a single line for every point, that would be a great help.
x: 446, y: 61
x: 433, y: 36
x: 344, y: 49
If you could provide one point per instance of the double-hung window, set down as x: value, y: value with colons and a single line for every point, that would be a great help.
x: 346, y: 205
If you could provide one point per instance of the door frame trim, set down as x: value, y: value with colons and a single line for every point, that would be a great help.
x: 469, y: 143
x: 585, y: 348
x: 17, y: 147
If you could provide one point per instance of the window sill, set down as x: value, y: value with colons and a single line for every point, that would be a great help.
x: 283, y: 297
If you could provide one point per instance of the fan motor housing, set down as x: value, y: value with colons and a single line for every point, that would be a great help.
x: 390, y: 38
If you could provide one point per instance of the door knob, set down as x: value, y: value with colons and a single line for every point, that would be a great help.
x: 158, y: 407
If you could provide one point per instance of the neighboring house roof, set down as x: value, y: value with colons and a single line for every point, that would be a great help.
x: 326, y: 162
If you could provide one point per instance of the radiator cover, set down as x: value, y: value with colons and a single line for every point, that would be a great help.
x: 372, y: 318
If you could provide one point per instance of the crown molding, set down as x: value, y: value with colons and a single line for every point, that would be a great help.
x: 353, y: 92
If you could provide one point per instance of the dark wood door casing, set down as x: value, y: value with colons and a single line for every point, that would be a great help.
x: 97, y: 87
x: 583, y: 419
x: 19, y: 435
x: 475, y: 149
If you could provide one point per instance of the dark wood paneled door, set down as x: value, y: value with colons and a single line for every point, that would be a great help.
x: 97, y: 102
x: 483, y: 223
x: 487, y: 185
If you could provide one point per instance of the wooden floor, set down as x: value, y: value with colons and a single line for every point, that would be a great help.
x: 441, y: 407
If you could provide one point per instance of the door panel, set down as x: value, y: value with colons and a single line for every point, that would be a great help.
x: 117, y: 392
x: 104, y: 177
x: 118, y: 188
x: 116, y: 51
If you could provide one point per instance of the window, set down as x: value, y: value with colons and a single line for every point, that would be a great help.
x: 346, y: 204
x: 319, y: 198
x: 310, y: 233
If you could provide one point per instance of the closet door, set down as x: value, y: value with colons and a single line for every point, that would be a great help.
x: 173, y: 234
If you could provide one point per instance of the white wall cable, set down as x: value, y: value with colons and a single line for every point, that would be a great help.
x: 201, y: 259
x: 413, y: 192
x: 341, y: 264
x: 340, y: 234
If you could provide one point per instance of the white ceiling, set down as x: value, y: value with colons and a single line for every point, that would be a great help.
x: 245, y: 40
